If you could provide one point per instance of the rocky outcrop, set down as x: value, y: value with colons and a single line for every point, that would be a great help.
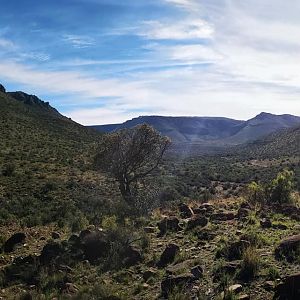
x: 185, y: 210
x: 2, y: 89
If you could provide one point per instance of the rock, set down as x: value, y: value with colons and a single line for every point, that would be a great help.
x: 168, y: 224
x: 168, y: 255
x: 169, y: 283
x: 243, y: 213
x: 289, y: 289
x: 269, y: 285
x: 2, y: 89
x: 205, y: 234
x: 177, y: 268
x: 132, y: 257
x: 245, y: 205
x: 51, y: 251
x: 265, y: 223
x: 185, y: 210
x: 280, y: 226
x: 85, y: 233
x: 55, y: 235
x: 70, y: 289
x: 223, y: 216
x: 195, y: 221
x: 235, y: 250
x: 74, y: 239
x: 235, y: 288
x: 13, y: 241
x: 243, y: 297
x: 149, y: 229
x: 197, y: 272
x: 148, y: 274
x: 94, y: 245
x: 228, y: 268
x: 288, y: 248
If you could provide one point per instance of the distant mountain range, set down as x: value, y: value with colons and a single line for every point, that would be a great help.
x: 211, y: 131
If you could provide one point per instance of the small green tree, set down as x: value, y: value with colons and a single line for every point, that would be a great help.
x: 129, y: 155
x: 255, y: 193
x: 281, y: 187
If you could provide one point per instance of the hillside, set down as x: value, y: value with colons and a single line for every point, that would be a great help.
x: 210, y: 131
x: 43, y: 159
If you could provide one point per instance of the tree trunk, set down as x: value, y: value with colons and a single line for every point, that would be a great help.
x: 126, y: 192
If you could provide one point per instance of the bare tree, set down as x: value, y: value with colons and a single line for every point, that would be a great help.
x: 129, y: 155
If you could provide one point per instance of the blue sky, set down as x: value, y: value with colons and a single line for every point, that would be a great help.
x: 105, y: 61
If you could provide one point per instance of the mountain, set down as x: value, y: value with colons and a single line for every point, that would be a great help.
x: 211, y: 131
x: 283, y: 143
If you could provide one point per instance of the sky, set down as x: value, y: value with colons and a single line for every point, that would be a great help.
x: 107, y: 61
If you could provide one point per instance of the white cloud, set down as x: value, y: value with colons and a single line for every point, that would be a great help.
x: 78, y: 41
x: 6, y: 44
x: 180, y: 30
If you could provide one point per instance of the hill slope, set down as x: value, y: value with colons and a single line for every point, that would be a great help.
x: 210, y: 131
x: 43, y: 158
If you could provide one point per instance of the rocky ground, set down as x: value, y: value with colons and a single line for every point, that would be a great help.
x: 219, y: 250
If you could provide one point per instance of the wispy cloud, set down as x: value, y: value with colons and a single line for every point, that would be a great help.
x: 78, y: 41
x: 182, y: 30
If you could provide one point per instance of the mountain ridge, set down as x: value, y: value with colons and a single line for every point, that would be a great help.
x: 211, y: 130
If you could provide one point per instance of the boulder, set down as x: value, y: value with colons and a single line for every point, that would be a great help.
x: 50, y: 252
x: 170, y: 282
x: 235, y: 288
x: 132, y: 257
x: 185, y: 210
x: 196, y: 221
x: 13, y: 241
x: 289, y: 289
x: 168, y: 224
x: 168, y: 255
x: 289, y: 248
x: 94, y: 245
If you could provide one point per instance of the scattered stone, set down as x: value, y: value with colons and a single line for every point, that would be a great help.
x: 132, y: 257
x: 243, y: 297
x: 205, y: 234
x: 149, y: 274
x: 169, y: 283
x: 197, y: 271
x: 13, y: 241
x: 236, y: 249
x: 55, y: 235
x: 168, y: 255
x: 265, y: 223
x: 51, y: 251
x: 185, y: 210
x: 243, y: 213
x: 168, y: 224
x: 70, y: 289
x: 269, y: 286
x: 280, y: 226
x: 223, y: 216
x: 235, y: 288
x: 150, y: 229
x: 95, y: 245
x: 289, y: 289
x: 288, y: 248
x: 195, y: 221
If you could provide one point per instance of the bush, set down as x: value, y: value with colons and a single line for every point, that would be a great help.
x: 281, y: 187
x: 255, y: 193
